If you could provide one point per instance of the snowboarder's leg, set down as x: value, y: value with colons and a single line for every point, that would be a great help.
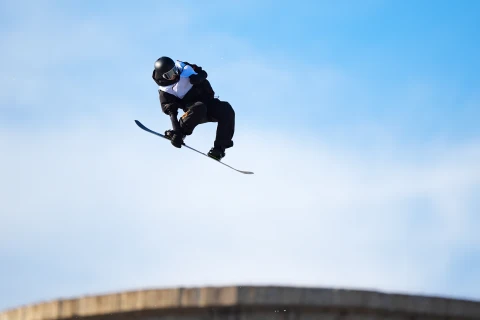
x: 223, y: 112
x: 195, y: 114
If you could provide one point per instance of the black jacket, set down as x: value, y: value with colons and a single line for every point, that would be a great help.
x: 201, y: 90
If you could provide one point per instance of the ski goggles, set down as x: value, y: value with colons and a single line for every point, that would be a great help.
x: 169, y: 75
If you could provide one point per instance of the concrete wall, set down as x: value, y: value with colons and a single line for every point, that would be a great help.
x: 249, y: 303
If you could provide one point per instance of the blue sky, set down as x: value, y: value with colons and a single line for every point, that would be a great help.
x: 358, y: 118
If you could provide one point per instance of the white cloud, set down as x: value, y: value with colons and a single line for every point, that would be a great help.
x: 44, y: 54
x: 125, y: 209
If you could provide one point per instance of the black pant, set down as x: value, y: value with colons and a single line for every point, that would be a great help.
x: 214, y: 110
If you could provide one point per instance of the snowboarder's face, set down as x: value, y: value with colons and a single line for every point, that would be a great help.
x: 171, y: 74
x: 174, y: 77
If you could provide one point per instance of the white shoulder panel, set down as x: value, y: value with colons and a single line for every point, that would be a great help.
x: 180, y: 88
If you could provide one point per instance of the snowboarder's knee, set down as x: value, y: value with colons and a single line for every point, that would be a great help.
x: 195, y: 115
x: 198, y: 108
x: 228, y: 109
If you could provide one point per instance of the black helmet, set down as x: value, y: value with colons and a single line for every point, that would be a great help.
x: 165, y: 68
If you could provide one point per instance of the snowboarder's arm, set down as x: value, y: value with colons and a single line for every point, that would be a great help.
x: 168, y: 102
x: 199, y: 76
x: 175, y: 123
x: 170, y: 107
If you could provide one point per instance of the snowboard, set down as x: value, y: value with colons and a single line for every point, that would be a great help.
x: 163, y: 136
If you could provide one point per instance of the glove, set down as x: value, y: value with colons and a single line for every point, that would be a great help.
x: 177, y: 140
x: 197, y: 78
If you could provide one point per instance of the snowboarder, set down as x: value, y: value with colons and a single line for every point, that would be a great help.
x: 185, y: 86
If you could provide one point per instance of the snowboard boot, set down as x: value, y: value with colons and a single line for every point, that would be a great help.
x: 216, y: 153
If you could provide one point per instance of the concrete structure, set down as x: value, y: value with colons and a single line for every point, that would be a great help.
x: 249, y: 303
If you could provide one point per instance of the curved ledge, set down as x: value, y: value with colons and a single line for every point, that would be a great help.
x: 295, y: 300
